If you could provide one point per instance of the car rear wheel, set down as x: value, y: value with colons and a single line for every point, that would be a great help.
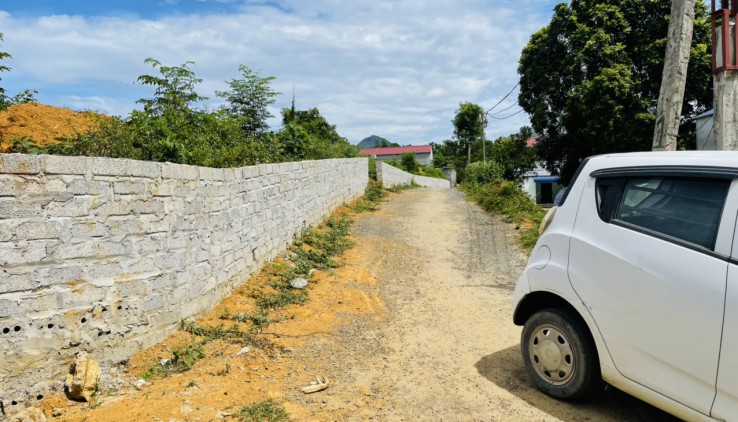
x: 559, y: 354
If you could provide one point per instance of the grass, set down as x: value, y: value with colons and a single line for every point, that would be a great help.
x: 400, y: 188
x: 263, y: 411
x: 505, y: 198
x: 317, y: 249
x: 234, y: 333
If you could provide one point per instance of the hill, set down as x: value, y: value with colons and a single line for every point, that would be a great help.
x: 376, y: 141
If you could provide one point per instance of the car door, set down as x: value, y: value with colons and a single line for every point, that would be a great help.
x: 726, y: 401
x: 644, y: 261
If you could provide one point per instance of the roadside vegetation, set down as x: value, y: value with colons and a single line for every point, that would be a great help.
x: 172, y: 125
x: 268, y: 293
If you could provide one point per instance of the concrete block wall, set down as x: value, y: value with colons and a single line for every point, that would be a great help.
x: 108, y: 255
x: 431, y: 182
x: 392, y: 176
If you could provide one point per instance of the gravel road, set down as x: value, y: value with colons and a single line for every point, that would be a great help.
x: 446, y: 349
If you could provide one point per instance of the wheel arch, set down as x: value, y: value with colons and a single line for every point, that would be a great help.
x: 538, y: 301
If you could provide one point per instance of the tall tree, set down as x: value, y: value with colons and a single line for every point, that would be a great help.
x: 307, y: 134
x: 469, y: 126
x: 175, y: 89
x: 590, y: 79
x: 3, y: 68
x: 250, y: 98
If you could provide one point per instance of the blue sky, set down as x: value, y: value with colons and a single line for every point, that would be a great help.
x: 397, y: 69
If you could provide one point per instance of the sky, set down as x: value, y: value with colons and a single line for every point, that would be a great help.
x: 398, y: 69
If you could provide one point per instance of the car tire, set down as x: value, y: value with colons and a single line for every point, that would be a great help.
x: 559, y: 354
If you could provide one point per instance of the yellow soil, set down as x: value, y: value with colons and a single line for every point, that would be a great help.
x: 218, y: 385
x: 43, y: 123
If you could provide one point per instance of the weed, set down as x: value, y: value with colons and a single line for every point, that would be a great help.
x: 263, y: 411
x: 95, y: 400
x: 190, y: 384
x: 258, y: 319
x: 182, y: 360
x: 233, y: 333
x: 281, y: 299
x: 506, y: 199
x: 223, y: 371
x: 400, y: 188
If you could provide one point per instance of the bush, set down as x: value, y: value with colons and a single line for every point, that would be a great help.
x: 505, y: 198
x: 171, y: 128
x: 481, y: 173
x: 409, y: 164
x: 431, y: 172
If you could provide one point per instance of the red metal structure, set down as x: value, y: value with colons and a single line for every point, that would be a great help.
x: 722, y: 20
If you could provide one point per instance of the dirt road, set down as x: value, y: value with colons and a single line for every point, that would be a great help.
x: 448, y: 349
x: 415, y: 326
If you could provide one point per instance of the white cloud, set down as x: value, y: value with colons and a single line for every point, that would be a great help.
x: 398, y: 69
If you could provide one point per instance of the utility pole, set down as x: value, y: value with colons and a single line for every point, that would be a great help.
x: 725, y: 75
x: 674, y: 77
x: 484, y: 140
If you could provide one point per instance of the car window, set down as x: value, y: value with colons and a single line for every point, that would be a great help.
x: 685, y: 209
x: 608, y: 195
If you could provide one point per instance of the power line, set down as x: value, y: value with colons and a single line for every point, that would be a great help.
x: 508, y: 116
x: 503, y: 98
x: 540, y: 53
x: 505, y: 109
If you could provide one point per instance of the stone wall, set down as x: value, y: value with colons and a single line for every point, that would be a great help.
x: 392, y: 176
x: 108, y: 255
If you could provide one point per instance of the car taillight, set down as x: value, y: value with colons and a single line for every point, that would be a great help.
x: 547, y: 220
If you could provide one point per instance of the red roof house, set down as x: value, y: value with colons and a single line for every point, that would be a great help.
x: 423, y: 153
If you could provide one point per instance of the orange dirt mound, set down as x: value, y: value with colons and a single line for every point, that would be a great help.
x: 43, y: 123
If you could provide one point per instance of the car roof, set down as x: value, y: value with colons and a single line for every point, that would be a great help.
x: 661, y: 158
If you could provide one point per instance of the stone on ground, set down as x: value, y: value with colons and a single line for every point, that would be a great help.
x: 82, y: 379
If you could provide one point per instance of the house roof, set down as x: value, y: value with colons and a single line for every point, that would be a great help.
x: 531, y: 141
x: 418, y: 149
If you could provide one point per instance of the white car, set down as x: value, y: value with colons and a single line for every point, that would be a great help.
x: 634, y: 281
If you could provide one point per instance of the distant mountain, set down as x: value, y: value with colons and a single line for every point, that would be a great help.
x: 375, y: 141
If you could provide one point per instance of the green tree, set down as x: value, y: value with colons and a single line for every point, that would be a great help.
x: 408, y: 162
x: 468, y: 126
x: 3, y: 56
x: 308, y: 135
x: 175, y: 89
x: 590, y: 79
x: 513, y: 155
x: 250, y: 98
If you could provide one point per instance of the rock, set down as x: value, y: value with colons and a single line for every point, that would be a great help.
x: 141, y: 383
x: 82, y: 379
x: 30, y: 414
x: 243, y: 351
x: 299, y: 283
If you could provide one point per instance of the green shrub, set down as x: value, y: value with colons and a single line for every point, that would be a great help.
x: 480, y: 173
x: 373, y: 169
x: 505, y: 198
x: 409, y: 164
x: 264, y: 411
x: 182, y: 360
x: 431, y: 172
